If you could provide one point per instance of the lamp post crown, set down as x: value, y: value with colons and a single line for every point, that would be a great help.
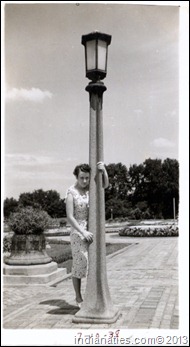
x: 96, y: 35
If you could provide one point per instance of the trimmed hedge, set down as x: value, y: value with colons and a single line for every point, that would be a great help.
x: 150, y: 232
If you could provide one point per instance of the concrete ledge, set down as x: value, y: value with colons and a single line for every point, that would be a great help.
x: 29, y: 270
x: 34, y: 274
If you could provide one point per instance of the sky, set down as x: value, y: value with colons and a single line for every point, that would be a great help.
x: 46, y: 123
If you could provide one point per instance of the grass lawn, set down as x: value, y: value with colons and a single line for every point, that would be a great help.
x: 60, y: 252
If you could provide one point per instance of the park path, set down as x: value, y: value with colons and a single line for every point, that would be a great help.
x: 143, y: 282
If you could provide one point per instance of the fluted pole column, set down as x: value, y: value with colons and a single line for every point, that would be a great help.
x: 97, y: 306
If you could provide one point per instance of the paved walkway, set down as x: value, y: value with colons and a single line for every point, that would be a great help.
x: 143, y: 282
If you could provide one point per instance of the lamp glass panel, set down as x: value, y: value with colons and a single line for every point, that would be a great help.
x: 102, y: 47
x: 91, y: 54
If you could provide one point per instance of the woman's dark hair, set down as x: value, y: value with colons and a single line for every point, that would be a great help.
x: 83, y: 168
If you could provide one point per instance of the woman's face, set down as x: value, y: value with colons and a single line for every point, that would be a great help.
x: 83, y: 179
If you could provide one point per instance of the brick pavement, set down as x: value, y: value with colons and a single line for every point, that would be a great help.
x: 143, y: 282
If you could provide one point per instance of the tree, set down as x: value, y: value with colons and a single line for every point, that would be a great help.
x: 171, y: 186
x: 116, y: 193
x: 26, y: 199
x: 136, y: 183
x: 117, y: 208
x: 10, y: 205
x: 155, y: 184
x: 118, y: 182
x: 49, y: 201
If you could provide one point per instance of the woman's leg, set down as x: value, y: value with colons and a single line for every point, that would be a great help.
x: 77, y: 288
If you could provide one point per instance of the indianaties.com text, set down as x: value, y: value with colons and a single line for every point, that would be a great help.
x: 113, y: 338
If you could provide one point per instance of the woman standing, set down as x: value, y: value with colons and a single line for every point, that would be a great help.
x: 77, y: 209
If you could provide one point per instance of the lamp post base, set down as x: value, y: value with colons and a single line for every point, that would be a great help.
x: 96, y: 317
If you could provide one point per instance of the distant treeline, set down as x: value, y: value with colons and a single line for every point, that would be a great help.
x: 147, y: 190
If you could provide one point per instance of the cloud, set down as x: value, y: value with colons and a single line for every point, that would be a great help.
x: 27, y: 172
x: 33, y: 94
x: 20, y: 159
x: 161, y: 143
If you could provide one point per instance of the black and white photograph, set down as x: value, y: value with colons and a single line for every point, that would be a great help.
x: 95, y: 173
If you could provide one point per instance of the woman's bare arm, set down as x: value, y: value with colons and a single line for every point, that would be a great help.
x: 105, y: 178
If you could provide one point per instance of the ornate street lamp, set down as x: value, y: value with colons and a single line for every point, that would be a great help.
x: 96, y: 53
x: 97, y: 306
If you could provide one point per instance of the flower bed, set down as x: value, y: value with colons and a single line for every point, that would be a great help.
x: 150, y: 231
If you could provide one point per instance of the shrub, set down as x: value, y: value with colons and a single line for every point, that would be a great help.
x: 28, y: 220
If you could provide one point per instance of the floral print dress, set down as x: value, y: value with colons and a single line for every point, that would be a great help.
x: 79, y: 245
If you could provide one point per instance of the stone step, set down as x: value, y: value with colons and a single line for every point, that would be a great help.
x: 29, y: 270
x: 48, y: 278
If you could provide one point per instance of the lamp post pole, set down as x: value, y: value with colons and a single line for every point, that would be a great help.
x: 97, y: 306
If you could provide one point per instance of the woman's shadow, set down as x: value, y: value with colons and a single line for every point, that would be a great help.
x: 63, y: 307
